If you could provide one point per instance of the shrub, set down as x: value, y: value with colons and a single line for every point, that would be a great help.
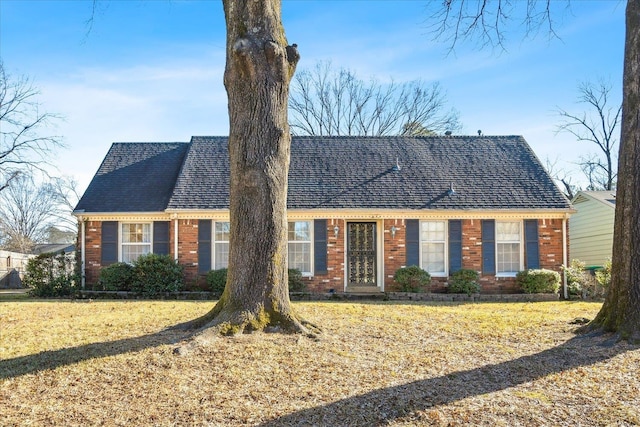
x: 217, y: 280
x: 603, y: 275
x: 464, y: 282
x: 51, y: 275
x: 577, y: 278
x: 539, y: 281
x: 296, y: 284
x: 155, y: 273
x: 412, y: 279
x: 116, y: 277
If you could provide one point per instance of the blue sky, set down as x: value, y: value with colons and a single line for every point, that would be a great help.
x: 152, y: 70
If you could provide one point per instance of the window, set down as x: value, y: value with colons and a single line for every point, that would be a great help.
x: 299, y: 236
x: 432, y: 245
x: 508, y: 235
x: 136, y: 241
x: 221, y: 245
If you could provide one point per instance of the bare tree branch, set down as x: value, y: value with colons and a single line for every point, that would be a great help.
x: 23, y: 148
x: 599, y: 125
x: 485, y: 21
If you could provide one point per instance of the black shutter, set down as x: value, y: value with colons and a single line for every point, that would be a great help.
x: 161, y: 237
x: 320, y: 246
x: 412, y: 244
x: 455, y: 245
x: 488, y: 246
x: 204, y: 245
x: 531, y: 243
x: 109, y: 242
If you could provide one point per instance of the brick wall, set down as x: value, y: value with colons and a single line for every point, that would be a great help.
x: 395, y: 251
x: 394, y: 256
x: 188, y: 249
x: 93, y: 251
x: 334, y: 278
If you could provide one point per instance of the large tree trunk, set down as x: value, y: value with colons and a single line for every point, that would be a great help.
x: 259, y: 67
x: 621, y: 310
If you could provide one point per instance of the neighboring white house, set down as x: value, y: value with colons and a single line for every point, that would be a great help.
x: 591, y: 227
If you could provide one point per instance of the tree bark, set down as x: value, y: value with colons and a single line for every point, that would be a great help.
x: 259, y: 68
x: 620, y: 312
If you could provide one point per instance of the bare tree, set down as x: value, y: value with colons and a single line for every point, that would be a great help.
x: 27, y: 211
x: 562, y: 178
x: 328, y: 102
x: 620, y: 312
x: 599, y: 126
x: 23, y: 144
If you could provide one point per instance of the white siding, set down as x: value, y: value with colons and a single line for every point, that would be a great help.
x: 591, y: 231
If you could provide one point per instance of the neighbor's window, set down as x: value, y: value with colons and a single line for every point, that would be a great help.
x: 299, y: 233
x: 508, y: 235
x: 136, y: 241
x: 221, y: 245
x: 432, y: 241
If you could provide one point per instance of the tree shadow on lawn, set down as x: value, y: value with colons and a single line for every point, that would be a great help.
x: 52, y: 359
x: 381, y: 406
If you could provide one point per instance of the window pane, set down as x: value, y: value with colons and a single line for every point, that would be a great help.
x: 508, y: 257
x: 136, y: 233
x: 299, y: 231
x: 508, y: 231
x: 433, y: 231
x: 130, y: 253
x: 222, y: 231
x: 221, y: 255
x: 300, y: 256
x: 433, y: 257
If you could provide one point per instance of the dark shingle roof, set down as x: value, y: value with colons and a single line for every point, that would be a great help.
x: 486, y: 172
x: 135, y: 177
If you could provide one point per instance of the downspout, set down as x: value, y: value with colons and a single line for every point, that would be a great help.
x: 175, y: 237
x: 564, y: 258
x: 82, y: 253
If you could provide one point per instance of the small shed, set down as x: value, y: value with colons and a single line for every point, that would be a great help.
x: 591, y: 227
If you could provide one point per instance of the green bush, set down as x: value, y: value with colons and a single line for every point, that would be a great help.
x: 577, y: 278
x: 412, y: 279
x: 603, y: 275
x: 117, y: 277
x: 464, y: 282
x: 217, y: 280
x: 155, y: 273
x: 539, y: 281
x: 296, y: 284
x: 51, y: 275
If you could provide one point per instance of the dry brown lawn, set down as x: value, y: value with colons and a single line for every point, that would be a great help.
x: 113, y: 363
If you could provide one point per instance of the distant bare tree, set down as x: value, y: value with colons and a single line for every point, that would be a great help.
x: 598, y: 125
x: 562, y: 178
x: 67, y: 196
x: 23, y: 146
x: 27, y: 211
x: 328, y: 102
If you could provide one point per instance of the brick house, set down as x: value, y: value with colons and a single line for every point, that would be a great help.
x: 359, y: 208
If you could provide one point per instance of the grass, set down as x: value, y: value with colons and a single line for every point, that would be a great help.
x: 113, y: 363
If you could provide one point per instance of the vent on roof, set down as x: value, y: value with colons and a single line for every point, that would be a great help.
x: 451, y: 191
x: 396, y: 167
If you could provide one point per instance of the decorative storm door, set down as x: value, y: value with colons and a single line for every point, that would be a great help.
x: 361, y: 254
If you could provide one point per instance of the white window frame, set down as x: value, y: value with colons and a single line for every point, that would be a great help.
x: 121, y: 242
x: 520, y: 243
x: 214, y: 253
x: 309, y: 242
x: 445, y: 243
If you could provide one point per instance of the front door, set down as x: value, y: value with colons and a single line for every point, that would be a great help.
x: 361, y: 256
